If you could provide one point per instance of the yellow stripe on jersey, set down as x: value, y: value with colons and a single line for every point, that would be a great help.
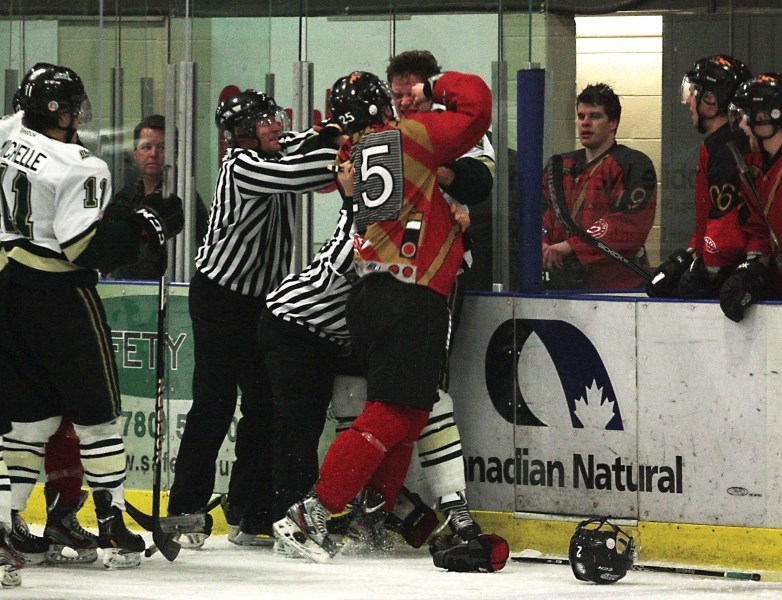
x: 92, y: 308
x: 41, y: 263
x: 439, y: 259
x: 74, y: 248
x: 490, y: 164
x: 420, y: 175
x: 419, y: 134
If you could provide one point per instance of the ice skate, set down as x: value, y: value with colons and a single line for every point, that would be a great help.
x: 32, y: 548
x: 68, y: 541
x: 195, y: 540
x: 366, y: 530
x: 241, y: 531
x: 458, y: 517
x: 303, y: 530
x: 10, y: 563
x: 246, y: 535
x: 121, y: 548
x: 233, y: 517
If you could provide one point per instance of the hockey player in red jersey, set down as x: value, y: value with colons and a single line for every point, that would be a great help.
x: 723, y: 220
x: 408, y: 250
x: 758, y: 105
x: 611, y: 193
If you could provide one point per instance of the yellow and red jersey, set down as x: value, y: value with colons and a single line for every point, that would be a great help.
x: 403, y: 222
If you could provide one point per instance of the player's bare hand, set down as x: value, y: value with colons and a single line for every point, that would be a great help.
x: 462, y: 217
x: 345, y: 178
x: 554, y: 254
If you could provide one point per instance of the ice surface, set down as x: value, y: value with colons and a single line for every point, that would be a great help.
x: 221, y: 570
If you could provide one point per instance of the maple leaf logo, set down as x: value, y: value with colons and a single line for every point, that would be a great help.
x: 592, y: 409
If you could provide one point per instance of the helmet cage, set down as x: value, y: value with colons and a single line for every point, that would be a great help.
x: 600, y: 551
x: 244, y: 110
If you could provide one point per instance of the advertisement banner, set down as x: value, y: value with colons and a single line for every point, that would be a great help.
x: 561, y: 374
x: 132, y: 313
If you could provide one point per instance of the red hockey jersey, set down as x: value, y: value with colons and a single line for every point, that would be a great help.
x: 404, y: 225
x: 613, y: 198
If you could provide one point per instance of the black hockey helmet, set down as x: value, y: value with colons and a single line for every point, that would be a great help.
x: 359, y: 100
x: 720, y: 74
x: 50, y: 90
x: 600, y: 551
x: 760, y: 94
x: 19, y: 96
x: 244, y: 110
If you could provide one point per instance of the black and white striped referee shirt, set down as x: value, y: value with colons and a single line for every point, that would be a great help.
x: 315, y: 298
x: 249, y: 242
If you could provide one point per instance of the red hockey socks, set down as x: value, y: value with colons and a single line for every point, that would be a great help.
x: 63, y: 464
x: 377, y: 447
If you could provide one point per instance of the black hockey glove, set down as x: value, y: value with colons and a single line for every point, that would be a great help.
x: 572, y: 276
x: 412, y: 518
x: 742, y: 289
x: 330, y: 135
x: 696, y: 282
x: 665, y: 279
x: 161, y: 218
x: 485, y: 554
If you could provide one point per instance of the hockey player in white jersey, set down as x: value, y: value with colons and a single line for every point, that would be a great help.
x: 54, y: 332
x: 10, y: 560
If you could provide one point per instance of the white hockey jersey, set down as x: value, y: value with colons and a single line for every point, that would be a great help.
x: 52, y: 196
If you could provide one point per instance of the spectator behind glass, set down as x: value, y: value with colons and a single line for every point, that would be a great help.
x: 149, y: 154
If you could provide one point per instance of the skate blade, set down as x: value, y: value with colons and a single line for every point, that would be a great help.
x: 249, y: 539
x: 292, y: 537
x: 191, y: 541
x: 10, y: 576
x: 280, y: 549
x: 30, y: 559
x: 116, y: 559
x: 65, y: 555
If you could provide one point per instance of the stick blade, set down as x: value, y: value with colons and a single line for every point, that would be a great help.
x: 166, y: 544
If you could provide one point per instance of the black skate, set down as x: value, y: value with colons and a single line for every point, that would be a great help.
x: 10, y: 563
x: 255, y: 530
x: 69, y: 542
x: 458, y: 519
x: 303, y: 530
x: 121, y: 548
x: 233, y: 517
x: 366, y: 531
x: 32, y: 548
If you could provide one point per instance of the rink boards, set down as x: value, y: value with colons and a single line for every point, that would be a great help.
x: 664, y: 415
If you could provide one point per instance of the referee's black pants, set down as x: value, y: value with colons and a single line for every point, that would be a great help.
x: 301, y: 367
x: 226, y: 356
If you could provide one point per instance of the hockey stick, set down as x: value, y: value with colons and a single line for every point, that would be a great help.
x: 742, y: 575
x: 173, y: 524
x: 563, y: 216
x: 746, y: 177
x: 163, y: 541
